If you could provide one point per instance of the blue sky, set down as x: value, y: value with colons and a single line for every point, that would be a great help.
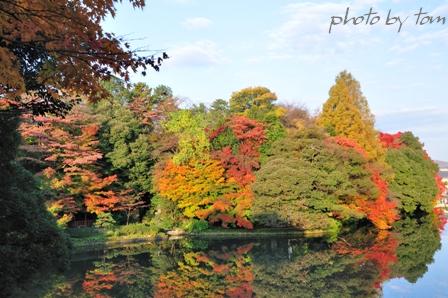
x: 218, y: 47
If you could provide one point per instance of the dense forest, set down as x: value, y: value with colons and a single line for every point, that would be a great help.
x: 139, y: 157
x: 83, y: 146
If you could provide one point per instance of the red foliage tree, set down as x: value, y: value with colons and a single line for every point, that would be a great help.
x: 71, y: 156
x: 240, y: 160
x: 381, y: 212
x: 241, y: 164
x: 440, y: 186
x: 391, y: 140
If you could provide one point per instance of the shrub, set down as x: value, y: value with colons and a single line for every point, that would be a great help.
x: 105, y: 221
x: 195, y: 225
x: 134, y: 230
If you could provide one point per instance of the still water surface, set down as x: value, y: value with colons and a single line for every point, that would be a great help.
x: 411, y: 262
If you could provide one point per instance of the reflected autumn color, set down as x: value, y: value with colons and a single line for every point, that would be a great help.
x: 355, y: 264
x: 217, y: 273
x: 381, y: 253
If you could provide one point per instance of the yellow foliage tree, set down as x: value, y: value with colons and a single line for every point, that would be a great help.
x: 346, y: 113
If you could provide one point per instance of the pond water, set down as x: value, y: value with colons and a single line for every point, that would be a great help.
x: 410, y: 262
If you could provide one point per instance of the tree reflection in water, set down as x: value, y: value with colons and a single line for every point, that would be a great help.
x: 355, y: 264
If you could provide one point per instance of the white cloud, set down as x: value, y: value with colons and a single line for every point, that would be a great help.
x: 197, y: 54
x: 197, y: 23
x: 305, y: 34
x: 416, y: 37
x: 415, y: 40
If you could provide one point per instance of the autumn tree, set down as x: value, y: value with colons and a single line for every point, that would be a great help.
x: 381, y: 211
x: 195, y: 187
x: 346, y: 113
x: 53, y: 49
x: 258, y: 103
x: 209, y: 175
x: 71, y: 155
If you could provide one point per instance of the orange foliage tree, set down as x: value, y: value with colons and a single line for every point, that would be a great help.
x: 201, y: 190
x: 216, y: 186
x: 381, y: 212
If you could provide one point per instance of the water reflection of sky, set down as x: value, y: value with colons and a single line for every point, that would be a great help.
x: 433, y: 284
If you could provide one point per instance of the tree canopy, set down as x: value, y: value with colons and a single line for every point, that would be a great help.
x: 53, y: 49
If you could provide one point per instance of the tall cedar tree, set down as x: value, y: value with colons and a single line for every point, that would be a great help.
x: 346, y: 113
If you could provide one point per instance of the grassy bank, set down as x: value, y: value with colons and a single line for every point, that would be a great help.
x: 93, y: 238
x: 85, y: 239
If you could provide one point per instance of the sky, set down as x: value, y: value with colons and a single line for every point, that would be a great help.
x: 221, y: 46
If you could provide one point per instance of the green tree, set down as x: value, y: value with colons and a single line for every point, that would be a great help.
x: 413, y: 183
x: 218, y: 113
x: 189, y: 128
x: 129, y: 120
x: 252, y: 100
x: 346, y: 113
x: 308, y: 184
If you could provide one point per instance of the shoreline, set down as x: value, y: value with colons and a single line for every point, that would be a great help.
x: 94, y: 244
